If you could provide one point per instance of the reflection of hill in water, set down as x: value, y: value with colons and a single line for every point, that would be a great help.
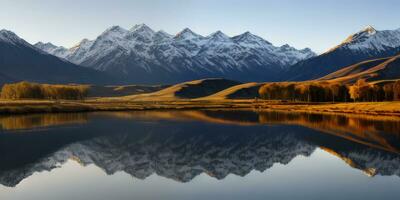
x: 140, y: 145
x: 377, y: 131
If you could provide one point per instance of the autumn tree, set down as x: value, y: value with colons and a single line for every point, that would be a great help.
x: 388, y: 90
x: 359, y: 91
x: 26, y: 90
x: 396, y: 91
x: 335, y: 91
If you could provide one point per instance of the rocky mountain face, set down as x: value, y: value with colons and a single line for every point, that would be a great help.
x: 19, y: 60
x: 142, y: 55
x: 366, y: 44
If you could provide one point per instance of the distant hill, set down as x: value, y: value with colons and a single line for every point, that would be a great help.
x: 371, y: 70
x: 367, y: 44
x: 21, y: 61
x: 187, y: 90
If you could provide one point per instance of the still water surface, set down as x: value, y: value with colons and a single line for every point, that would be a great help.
x: 199, y: 155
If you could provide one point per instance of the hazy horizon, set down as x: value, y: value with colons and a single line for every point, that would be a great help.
x: 309, y: 23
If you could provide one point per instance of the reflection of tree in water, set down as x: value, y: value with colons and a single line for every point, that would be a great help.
x: 383, y: 133
x: 30, y: 121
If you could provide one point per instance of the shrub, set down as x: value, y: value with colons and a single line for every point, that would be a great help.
x: 26, y: 90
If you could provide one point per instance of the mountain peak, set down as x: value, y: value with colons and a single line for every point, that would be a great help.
x: 366, y: 32
x: 10, y: 37
x: 6, y: 32
x: 248, y: 38
x: 187, y: 34
x: 50, y: 48
x: 115, y: 30
x: 187, y: 30
x: 369, y: 29
x: 83, y: 42
x: 219, y: 35
x: 360, y: 37
x: 141, y: 28
x: 306, y: 50
x: 248, y: 33
x: 45, y: 45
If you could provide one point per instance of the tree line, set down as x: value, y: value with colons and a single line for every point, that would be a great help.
x: 27, y: 90
x: 327, y: 91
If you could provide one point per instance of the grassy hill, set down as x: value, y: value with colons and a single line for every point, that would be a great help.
x: 371, y: 70
x: 187, y: 90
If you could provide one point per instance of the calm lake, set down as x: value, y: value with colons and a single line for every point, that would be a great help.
x: 199, y: 155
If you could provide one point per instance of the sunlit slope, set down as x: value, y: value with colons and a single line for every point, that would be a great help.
x: 372, y: 70
x: 187, y: 90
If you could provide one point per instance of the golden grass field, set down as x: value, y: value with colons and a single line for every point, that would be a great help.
x: 100, y: 104
x: 199, y: 94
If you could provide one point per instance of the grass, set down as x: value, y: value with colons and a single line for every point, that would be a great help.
x: 115, y: 104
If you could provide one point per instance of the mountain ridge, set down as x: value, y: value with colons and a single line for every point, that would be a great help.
x: 366, y: 44
x: 162, y: 58
x: 19, y: 60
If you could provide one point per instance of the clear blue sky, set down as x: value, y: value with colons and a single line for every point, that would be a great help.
x: 316, y: 24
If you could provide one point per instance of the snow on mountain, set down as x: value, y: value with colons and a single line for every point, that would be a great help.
x: 185, y: 56
x: 366, y: 44
x: 20, y: 60
x: 290, y: 55
x: 50, y: 48
x: 370, y: 39
x: 187, y: 34
x: 11, y: 38
x: 247, y: 39
x: 161, y: 36
x: 77, y: 53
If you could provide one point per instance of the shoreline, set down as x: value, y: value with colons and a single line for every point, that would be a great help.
x: 45, y: 106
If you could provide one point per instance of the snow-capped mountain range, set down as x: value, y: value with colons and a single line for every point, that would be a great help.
x: 371, y: 40
x: 143, y: 55
x: 366, y: 44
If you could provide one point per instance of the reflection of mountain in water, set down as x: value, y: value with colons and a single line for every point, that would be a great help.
x: 179, y: 150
